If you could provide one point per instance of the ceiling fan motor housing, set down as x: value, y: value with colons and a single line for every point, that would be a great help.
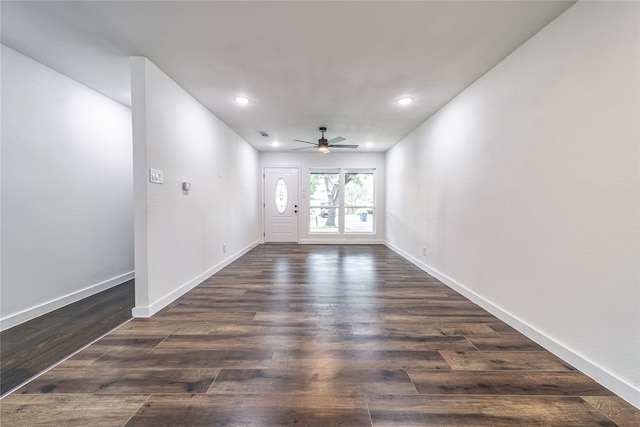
x: 322, y: 142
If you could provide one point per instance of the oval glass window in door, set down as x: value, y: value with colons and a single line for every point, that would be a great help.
x: 281, y: 196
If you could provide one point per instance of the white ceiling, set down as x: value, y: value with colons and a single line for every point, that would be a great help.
x: 304, y: 64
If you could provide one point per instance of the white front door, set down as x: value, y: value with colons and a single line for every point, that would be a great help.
x: 281, y: 205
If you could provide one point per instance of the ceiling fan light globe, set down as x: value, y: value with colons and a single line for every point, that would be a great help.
x: 323, y: 145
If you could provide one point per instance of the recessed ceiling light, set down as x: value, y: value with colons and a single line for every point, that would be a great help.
x: 405, y: 101
x: 369, y: 144
x: 242, y: 100
x: 275, y: 143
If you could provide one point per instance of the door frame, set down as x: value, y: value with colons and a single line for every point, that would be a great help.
x: 264, y: 198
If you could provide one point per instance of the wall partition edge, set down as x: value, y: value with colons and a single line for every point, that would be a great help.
x: 597, y: 373
x: 183, y: 237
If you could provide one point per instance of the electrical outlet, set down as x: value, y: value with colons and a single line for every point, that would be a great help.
x: 156, y: 176
x: 224, y: 248
x: 424, y: 251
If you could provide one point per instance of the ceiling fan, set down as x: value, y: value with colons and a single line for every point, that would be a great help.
x: 323, y: 145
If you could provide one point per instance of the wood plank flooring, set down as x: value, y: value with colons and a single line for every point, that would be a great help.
x: 33, y: 346
x: 317, y: 335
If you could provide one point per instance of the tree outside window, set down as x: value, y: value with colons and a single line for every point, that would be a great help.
x: 324, y: 196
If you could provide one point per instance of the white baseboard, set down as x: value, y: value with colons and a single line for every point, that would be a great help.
x: 38, y: 310
x: 620, y: 387
x: 341, y: 242
x: 150, y: 310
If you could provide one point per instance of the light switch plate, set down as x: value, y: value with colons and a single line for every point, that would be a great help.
x: 156, y: 176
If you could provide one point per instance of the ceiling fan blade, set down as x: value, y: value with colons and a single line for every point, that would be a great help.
x: 303, y: 148
x: 336, y: 140
x: 343, y: 146
x: 306, y: 142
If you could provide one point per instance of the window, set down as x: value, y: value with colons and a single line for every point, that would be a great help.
x: 358, y: 202
x: 331, y: 211
x: 324, y: 202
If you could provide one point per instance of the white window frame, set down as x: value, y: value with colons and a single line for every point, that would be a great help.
x: 341, y: 208
x: 344, y: 206
x: 339, y: 231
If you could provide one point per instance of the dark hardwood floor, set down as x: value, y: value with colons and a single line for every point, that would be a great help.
x: 33, y: 346
x: 317, y: 335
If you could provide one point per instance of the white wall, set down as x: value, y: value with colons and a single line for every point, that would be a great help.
x: 67, y: 190
x: 180, y: 235
x: 307, y: 161
x: 524, y: 191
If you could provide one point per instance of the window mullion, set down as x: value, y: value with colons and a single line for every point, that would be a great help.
x: 341, y: 197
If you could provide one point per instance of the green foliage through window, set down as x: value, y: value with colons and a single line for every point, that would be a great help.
x: 324, y: 197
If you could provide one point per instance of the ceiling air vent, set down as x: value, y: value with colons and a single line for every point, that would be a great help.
x: 263, y: 134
